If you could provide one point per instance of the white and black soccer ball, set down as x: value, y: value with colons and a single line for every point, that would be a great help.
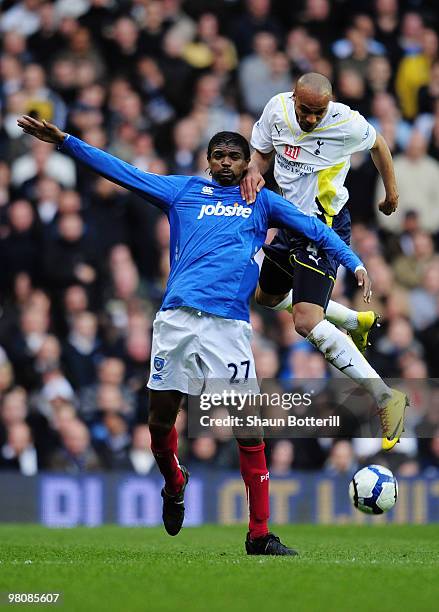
x: 373, y: 489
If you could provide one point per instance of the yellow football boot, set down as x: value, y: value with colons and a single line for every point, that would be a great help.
x: 392, y: 419
x: 366, y: 322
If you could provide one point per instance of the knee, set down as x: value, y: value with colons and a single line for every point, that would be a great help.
x: 305, y: 319
x: 159, y: 426
x: 161, y: 416
x: 159, y: 422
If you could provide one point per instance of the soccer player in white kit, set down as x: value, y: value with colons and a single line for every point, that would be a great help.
x: 312, y: 138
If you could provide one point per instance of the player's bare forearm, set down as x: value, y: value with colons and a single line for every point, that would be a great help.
x: 261, y: 161
x: 253, y: 180
x: 382, y: 158
x: 43, y: 130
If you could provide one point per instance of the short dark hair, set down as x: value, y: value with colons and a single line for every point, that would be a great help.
x: 229, y: 138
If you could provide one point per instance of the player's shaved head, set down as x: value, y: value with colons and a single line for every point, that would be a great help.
x: 311, y: 96
x: 314, y: 84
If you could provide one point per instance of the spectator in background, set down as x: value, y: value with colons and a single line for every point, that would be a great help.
x: 80, y: 49
x: 210, y: 110
x: 430, y: 457
x: 108, y: 215
x: 140, y: 455
x: 19, y: 453
x: 398, y: 341
x: 258, y: 17
x: 15, y: 44
x: 46, y: 42
x: 412, y: 32
x: 385, y: 113
x: 39, y: 98
x: 12, y: 144
x: 63, y: 77
x: 423, y: 299
x: 13, y: 409
x: 351, y: 88
x: 356, y: 55
x: 6, y: 374
x: 409, y: 269
x: 379, y: 74
x: 82, y: 350
x: 157, y: 106
x: 153, y: 27
x: 122, y: 49
x: 47, y: 192
x: 22, y: 17
x: 281, y: 457
x: 295, y: 45
x: 11, y: 72
x: 76, y: 455
x: 430, y: 340
x: 318, y: 19
x: 203, y: 452
x: 75, y: 253
x: 43, y: 160
x: 25, y: 342
x: 21, y: 247
x: 429, y: 125
x: 55, y: 390
x: 198, y: 53
x: 110, y: 371
x: 186, y: 143
x: 254, y: 71
x: 178, y: 75
x: 414, y: 72
x: 428, y: 94
x: 417, y: 176
x: 341, y: 460
x: 387, y: 28
x: 73, y: 302
x: 114, y: 443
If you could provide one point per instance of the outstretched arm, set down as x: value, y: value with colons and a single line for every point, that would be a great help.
x: 159, y: 190
x: 382, y: 158
x: 284, y: 214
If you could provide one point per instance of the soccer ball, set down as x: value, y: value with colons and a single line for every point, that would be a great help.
x: 373, y: 489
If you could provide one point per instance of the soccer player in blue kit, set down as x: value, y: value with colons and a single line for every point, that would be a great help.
x: 203, y: 324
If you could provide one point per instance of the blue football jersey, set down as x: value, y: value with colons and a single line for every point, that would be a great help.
x: 215, y: 235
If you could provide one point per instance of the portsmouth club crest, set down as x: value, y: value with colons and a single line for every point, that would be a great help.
x: 159, y: 363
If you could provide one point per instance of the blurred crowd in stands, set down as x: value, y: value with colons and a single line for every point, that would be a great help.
x: 84, y: 263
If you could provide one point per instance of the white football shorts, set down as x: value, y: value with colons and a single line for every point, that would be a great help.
x: 195, y: 352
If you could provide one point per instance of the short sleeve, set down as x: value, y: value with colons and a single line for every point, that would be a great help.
x: 361, y: 135
x: 261, y: 135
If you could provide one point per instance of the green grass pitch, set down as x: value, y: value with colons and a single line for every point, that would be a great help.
x: 343, y: 568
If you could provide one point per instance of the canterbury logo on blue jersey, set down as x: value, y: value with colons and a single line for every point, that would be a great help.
x: 207, y: 190
x: 237, y: 210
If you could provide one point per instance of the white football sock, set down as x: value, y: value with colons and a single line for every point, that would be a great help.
x: 341, y: 315
x: 339, y: 350
x: 286, y: 303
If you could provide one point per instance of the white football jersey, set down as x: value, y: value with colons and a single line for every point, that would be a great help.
x: 311, y: 167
